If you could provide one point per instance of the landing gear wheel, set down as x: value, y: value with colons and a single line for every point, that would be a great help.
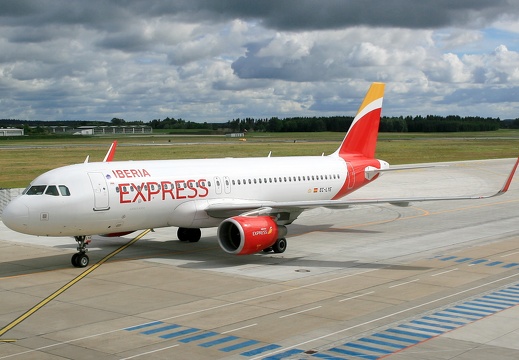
x: 189, y: 235
x: 267, y: 250
x: 280, y: 246
x: 74, y: 260
x: 81, y: 259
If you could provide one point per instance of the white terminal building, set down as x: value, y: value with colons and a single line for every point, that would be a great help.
x: 11, y: 132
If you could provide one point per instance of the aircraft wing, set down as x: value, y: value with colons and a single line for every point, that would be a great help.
x: 289, y: 210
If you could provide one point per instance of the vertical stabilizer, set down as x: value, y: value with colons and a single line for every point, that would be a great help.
x: 361, y: 139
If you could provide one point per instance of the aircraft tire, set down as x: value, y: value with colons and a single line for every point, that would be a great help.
x: 280, y: 245
x: 82, y: 260
x: 74, y: 260
x: 189, y: 235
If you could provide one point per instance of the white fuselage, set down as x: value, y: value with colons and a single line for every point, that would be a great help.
x: 114, y: 197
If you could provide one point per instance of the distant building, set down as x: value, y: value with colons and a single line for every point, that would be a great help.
x: 11, y: 132
x: 235, y: 135
x: 99, y: 130
x: 109, y: 130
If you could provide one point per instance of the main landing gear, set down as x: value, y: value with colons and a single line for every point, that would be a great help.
x: 80, y: 259
x: 279, y: 246
x: 189, y: 235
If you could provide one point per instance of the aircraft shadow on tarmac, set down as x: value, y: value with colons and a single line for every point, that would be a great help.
x: 204, y: 255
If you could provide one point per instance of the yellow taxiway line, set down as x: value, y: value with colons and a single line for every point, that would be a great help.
x: 66, y: 287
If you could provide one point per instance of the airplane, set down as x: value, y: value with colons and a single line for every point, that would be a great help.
x: 250, y: 200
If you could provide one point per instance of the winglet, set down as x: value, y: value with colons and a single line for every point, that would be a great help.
x: 361, y: 139
x: 509, y: 180
x: 111, y: 152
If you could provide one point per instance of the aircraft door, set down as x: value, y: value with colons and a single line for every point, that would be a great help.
x: 101, y: 199
x: 218, y: 184
x: 227, y: 184
x: 351, y: 175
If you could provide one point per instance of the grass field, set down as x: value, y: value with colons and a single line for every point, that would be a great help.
x: 22, y: 159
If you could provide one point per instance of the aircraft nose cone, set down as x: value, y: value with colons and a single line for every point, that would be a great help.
x: 16, y: 216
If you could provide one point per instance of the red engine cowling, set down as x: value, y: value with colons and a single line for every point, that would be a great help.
x: 244, y: 235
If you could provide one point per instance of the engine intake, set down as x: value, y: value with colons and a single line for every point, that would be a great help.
x: 244, y: 235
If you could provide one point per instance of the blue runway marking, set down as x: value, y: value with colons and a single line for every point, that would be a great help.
x: 383, y: 343
x: 397, y: 338
x: 327, y: 357
x: 403, y: 332
x: 448, y: 258
x: 494, y: 303
x: 368, y: 348
x: 218, y: 341
x: 497, y: 308
x: 284, y: 354
x: 199, y: 337
x: 444, y: 320
x: 471, y: 308
x: 354, y: 353
x: 511, y: 291
x: 453, y: 316
x: 161, y: 329
x: 421, y: 329
x: 500, y: 299
x: 260, y: 350
x: 138, y: 327
x: 427, y: 323
x: 494, y: 263
x: 479, y: 261
x: 239, y: 345
x: 509, y: 294
x: 465, y: 314
x: 179, y: 333
x: 476, y: 261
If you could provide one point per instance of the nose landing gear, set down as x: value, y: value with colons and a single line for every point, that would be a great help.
x: 80, y: 259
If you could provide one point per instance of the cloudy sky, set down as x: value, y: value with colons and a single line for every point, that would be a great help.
x: 215, y: 60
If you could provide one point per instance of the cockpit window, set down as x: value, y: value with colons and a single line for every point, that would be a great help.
x: 36, y: 190
x: 47, y: 190
x: 64, y: 190
x: 52, y: 190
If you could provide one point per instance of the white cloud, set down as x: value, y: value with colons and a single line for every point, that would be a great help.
x: 213, y: 61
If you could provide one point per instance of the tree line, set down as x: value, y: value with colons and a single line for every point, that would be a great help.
x: 429, y: 123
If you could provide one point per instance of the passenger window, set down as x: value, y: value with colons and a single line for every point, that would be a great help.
x: 52, y: 190
x: 65, y: 191
x: 36, y: 190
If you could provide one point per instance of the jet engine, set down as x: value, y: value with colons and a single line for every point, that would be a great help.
x: 244, y: 235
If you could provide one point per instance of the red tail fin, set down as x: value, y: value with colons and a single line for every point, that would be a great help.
x: 361, y: 139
